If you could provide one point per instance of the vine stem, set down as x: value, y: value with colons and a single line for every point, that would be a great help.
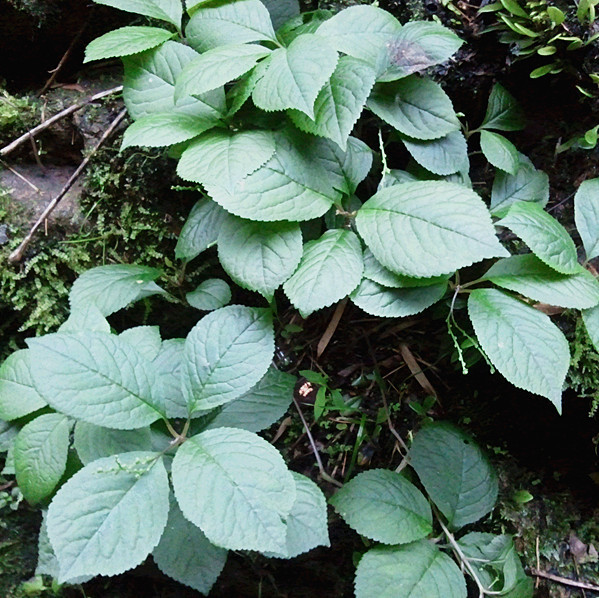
x: 482, y: 591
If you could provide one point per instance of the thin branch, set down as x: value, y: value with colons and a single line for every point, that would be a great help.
x: 26, y: 136
x: 20, y: 176
x: 565, y: 581
x: 325, y: 339
x: 17, y: 254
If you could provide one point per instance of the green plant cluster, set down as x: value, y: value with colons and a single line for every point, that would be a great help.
x: 543, y: 29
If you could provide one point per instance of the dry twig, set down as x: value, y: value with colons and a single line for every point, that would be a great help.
x: 325, y: 339
x: 565, y: 581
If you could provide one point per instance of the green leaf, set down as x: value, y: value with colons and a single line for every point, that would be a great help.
x: 383, y: 506
x: 113, y: 287
x: 168, y: 367
x: 416, y: 107
x: 521, y: 342
x: 185, y: 554
x: 149, y: 86
x: 259, y: 407
x: 295, y: 75
x: 238, y: 22
x: 375, y: 271
x: 40, y: 455
x: 8, y: 433
x: 381, y: 301
x: 307, y: 522
x: 47, y: 564
x: 419, y: 569
x: 94, y: 442
x: 503, y: 112
x: 441, y: 156
x: 428, y: 228
x: 210, y: 295
x: 586, y: 215
x: 169, y: 128
x: 200, y: 230
x: 500, y: 152
x: 18, y: 395
x: 529, y: 276
x: 455, y: 473
x: 165, y: 10
x: 85, y: 318
x: 217, y: 67
x: 497, y: 565
x: 363, y: 32
x: 226, y: 353
x: 236, y: 488
x: 109, y: 516
x: 418, y: 46
x: 146, y: 339
x: 224, y: 159
x: 330, y: 269
x: 290, y: 186
x: 95, y: 377
x: 259, y: 256
x: 590, y: 318
x: 281, y: 10
x: 126, y: 41
x: 306, y: 22
x: 340, y: 102
x: 544, y: 235
x: 528, y: 184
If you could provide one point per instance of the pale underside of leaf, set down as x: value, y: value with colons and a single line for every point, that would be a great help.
x: 586, y: 215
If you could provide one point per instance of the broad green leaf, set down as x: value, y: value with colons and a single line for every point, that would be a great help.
x: 590, y: 318
x: 94, y: 442
x: 418, y: 108
x: 330, y: 269
x: 9, y: 462
x: 238, y: 22
x: 259, y: 407
x: 383, y: 506
x: 95, y: 377
x: 529, y: 276
x: 165, y: 10
x: 126, y: 41
x: 168, y: 367
x: 386, y: 302
x: 200, y: 230
x: 428, y: 228
x: 259, y: 256
x: 185, y: 554
x: 375, y: 271
x: 169, y: 128
x: 226, y: 353
x: 295, y: 75
x: 503, y: 112
x: 40, y: 455
x: 85, y: 317
x: 236, y: 488
x: 416, y: 570
x: 544, y: 235
x: 306, y: 22
x: 110, y: 515
x: 363, y: 32
x: 497, y: 564
x: 146, y: 339
x: 346, y: 169
x: 149, y: 86
x: 290, y: 186
x: 441, y: 156
x: 396, y: 176
x: 113, y: 287
x: 340, y: 102
x: 418, y: 46
x: 281, y: 10
x: 586, y: 215
x: 47, y: 563
x: 455, y: 473
x: 500, y: 152
x: 210, y: 294
x: 528, y: 184
x: 217, y: 67
x: 18, y: 395
x: 224, y: 159
x: 307, y: 522
x: 8, y: 433
x: 521, y: 342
